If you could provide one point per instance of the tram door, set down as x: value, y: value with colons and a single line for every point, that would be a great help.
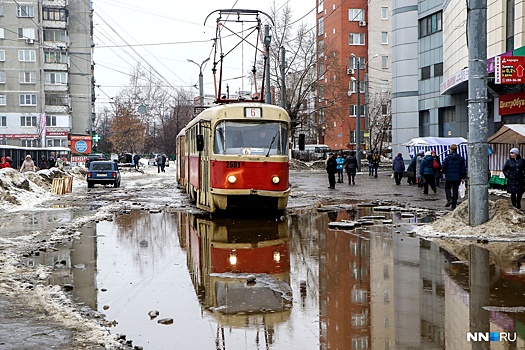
x: 204, y: 193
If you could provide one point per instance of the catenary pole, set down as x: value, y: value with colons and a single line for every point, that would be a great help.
x: 477, y: 112
x: 283, y: 81
x: 267, y: 40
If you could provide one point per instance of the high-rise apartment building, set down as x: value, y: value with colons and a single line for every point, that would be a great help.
x: 354, y: 62
x: 46, y: 72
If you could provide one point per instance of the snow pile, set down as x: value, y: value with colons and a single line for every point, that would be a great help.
x: 505, y: 223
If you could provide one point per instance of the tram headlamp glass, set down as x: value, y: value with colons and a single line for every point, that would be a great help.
x: 275, y: 179
x: 232, y: 179
x: 277, y: 256
x: 233, y: 258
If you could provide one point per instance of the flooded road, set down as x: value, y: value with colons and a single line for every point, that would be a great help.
x: 294, y: 282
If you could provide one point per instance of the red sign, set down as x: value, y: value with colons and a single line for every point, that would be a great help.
x: 80, y: 137
x: 56, y: 133
x: 21, y: 136
x: 81, y: 146
x: 509, y: 69
x: 512, y: 103
x: 79, y: 159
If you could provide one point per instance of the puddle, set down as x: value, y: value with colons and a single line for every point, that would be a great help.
x: 291, y: 283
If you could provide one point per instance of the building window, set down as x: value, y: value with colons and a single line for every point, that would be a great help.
x: 3, y: 100
x: 384, y: 109
x: 3, y: 121
x: 55, y: 78
x: 26, y: 55
x: 54, y: 14
x: 57, y: 100
x: 55, y: 57
x: 384, y: 12
x: 55, y: 35
x: 354, y: 62
x: 384, y: 86
x: 359, y: 320
x: 356, y: 15
x: 360, y: 343
x: 26, y: 11
x: 320, y: 48
x: 27, y: 121
x: 2, y: 55
x: 320, y: 6
x: 320, y: 26
x: 51, y: 120
x: 56, y: 142
x: 320, y: 70
x: 356, y: 39
x: 352, y: 85
x: 26, y: 33
x: 2, y: 34
x: 29, y: 143
x: 27, y: 77
x: 27, y: 99
x: 1, y: 9
x: 430, y: 24
x: 2, y: 77
x: 384, y: 37
x: 509, y: 25
x: 384, y: 62
x: 425, y: 73
x: 438, y: 69
x: 424, y: 123
x: 359, y: 296
x: 353, y: 111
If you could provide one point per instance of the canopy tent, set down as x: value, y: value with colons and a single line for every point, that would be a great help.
x: 507, y: 137
x: 439, y: 144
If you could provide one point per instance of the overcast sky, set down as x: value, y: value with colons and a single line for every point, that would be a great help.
x: 164, y: 34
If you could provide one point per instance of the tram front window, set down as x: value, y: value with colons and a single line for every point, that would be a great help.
x: 251, y: 138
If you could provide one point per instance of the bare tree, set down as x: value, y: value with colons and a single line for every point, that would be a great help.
x: 127, y: 131
x: 379, y: 121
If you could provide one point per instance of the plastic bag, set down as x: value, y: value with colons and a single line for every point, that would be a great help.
x: 392, y: 176
x: 461, y: 189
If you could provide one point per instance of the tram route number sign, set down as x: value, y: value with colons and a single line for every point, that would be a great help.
x: 509, y: 69
x: 252, y: 112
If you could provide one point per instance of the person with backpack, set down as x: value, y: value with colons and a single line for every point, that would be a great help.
x: 427, y: 171
x: 436, y: 163
x: 514, y: 170
x: 351, y: 167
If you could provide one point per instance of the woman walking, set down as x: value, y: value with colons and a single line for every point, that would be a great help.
x: 514, y: 170
x: 398, y: 167
x: 427, y: 171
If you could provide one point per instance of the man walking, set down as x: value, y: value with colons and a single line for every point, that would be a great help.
x: 331, y: 169
x: 453, y: 168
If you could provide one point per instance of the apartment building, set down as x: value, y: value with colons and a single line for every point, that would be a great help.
x: 430, y: 47
x: 354, y: 69
x: 46, y: 73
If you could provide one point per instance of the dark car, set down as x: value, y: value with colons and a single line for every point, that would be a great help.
x: 103, y: 172
x: 95, y: 156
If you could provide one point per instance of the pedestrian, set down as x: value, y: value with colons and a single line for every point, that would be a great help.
x: 331, y: 169
x: 9, y: 160
x: 375, y: 163
x: 455, y: 172
x: 136, y: 159
x: 427, y: 171
x: 436, y: 162
x: 60, y: 163
x: 351, y: 167
x: 419, y: 177
x: 514, y: 169
x: 340, y: 163
x: 370, y: 164
x: 164, y: 159
x: 4, y: 164
x: 51, y: 161
x: 158, y: 160
x: 411, y: 171
x: 398, y: 167
x: 43, y: 163
x: 27, y: 165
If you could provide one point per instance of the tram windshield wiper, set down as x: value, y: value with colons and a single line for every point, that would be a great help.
x: 271, y: 143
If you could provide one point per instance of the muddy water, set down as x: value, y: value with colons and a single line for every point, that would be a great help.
x: 290, y: 283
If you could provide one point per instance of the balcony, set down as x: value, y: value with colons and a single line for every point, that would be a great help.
x: 56, y: 66
x: 48, y: 109
x: 54, y: 24
x: 54, y: 3
x: 56, y: 88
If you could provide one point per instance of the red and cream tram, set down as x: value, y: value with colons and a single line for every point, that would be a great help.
x: 236, y: 156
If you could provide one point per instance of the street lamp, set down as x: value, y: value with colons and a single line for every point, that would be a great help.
x: 201, y: 86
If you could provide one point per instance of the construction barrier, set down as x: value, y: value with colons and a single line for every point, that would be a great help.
x: 62, y: 185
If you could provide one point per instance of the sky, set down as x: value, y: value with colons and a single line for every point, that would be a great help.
x: 164, y: 34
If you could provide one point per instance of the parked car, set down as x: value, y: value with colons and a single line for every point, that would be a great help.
x: 103, y: 172
x: 95, y: 156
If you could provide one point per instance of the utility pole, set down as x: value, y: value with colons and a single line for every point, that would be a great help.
x: 477, y: 112
x: 283, y: 81
x: 201, y: 82
x: 267, y: 41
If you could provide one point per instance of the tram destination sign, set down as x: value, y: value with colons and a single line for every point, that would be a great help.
x: 509, y: 69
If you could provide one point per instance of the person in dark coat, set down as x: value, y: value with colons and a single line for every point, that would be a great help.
x: 331, y: 169
x: 351, y: 167
x: 340, y: 164
x: 51, y: 161
x: 437, y: 172
x: 43, y: 163
x: 514, y: 170
x: 455, y: 172
x: 370, y: 164
x: 136, y: 159
x: 411, y: 171
x: 375, y: 163
x: 398, y: 167
x: 427, y: 171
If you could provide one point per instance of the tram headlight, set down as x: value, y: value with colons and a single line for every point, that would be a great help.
x: 232, y: 179
x: 277, y: 256
x: 233, y: 258
x: 275, y: 179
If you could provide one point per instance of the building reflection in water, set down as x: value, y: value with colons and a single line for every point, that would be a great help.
x: 240, y: 269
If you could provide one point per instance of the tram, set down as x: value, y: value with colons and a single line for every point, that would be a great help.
x: 236, y: 155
